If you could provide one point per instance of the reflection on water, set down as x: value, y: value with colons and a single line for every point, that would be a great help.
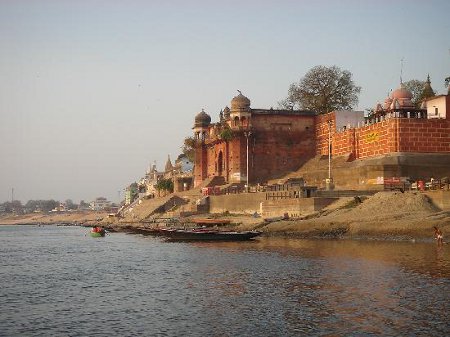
x: 57, y: 281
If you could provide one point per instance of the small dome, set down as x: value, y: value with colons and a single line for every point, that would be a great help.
x: 240, y: 102
x: 202, y: 119
x: 402, y: 93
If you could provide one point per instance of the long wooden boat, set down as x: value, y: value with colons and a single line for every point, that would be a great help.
x: 210, y: 222
x: 175, y: 234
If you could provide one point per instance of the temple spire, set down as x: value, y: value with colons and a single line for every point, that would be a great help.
x: 169, y: 166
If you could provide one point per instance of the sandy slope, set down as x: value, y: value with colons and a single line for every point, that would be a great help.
x: 386, y: 214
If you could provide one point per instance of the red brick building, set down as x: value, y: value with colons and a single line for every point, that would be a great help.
x: 398, y: 127
x: 257, y: 145
x: 253, y: 144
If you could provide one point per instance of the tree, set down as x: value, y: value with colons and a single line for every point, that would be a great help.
x: 420, y: 90
x: 447, y: 83
x: 83, y: 205
x: 70, y: 204
x: 48, y: 205
x: 188, y: 148
x: 323, y: 89
x: 165, y: 185
x: 416, y: 87
x: 226, y: 133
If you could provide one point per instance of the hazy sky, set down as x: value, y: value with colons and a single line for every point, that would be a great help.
x: 91, y: 92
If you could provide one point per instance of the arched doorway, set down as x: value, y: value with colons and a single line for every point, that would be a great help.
x: 219, y: 163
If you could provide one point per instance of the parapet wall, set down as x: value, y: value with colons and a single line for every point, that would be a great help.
x: 236, y: 203
x: 409, y: 135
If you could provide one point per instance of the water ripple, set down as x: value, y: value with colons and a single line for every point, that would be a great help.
x: 58, y: 282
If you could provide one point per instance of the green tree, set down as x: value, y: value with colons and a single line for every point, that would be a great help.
x: 323, y: 89
x: 70, y: 204
x: 48, y: 205
x: 420, y: 90
x: 416, y: 88
x: 165, y: 185
x: 226, y: 133
x: 83, y: 204
x: 188, y: 148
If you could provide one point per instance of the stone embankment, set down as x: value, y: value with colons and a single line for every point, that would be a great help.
x: 385, y: 215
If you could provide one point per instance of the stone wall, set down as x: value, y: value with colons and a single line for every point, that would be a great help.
x: 236, y: 203
x: 294, y: 207
x: 256, y: 202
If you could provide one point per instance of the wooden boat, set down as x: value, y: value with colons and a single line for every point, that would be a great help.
x: 211, y: 222
x: 97, y: 234
x: 197, y: 234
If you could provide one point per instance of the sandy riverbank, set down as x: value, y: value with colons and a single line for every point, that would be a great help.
x: 386, y: 215
x: 79, y: 217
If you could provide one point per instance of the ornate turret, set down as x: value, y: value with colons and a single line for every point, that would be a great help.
x: 202, y: 119
x: 201, y: 125
x: 240, y: 103
x: 240, y: 114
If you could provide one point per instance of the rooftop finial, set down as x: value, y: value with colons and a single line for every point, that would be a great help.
x: 401, y: 71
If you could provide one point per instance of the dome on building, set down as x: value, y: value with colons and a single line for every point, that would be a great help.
x: 202, y: 119
x: 240, y: 102
x: 401, y: 98
x: 402, y: 93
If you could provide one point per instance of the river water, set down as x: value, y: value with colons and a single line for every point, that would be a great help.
x: 58, y: 281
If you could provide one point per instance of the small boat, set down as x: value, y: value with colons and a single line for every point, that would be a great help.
x: 202, y: 234
x: 97, y: 232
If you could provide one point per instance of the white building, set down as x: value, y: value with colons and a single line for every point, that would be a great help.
x: 100, y: 204
x: 437, y: 106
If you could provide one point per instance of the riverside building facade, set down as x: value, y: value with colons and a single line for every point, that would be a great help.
x: 252, y: 146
